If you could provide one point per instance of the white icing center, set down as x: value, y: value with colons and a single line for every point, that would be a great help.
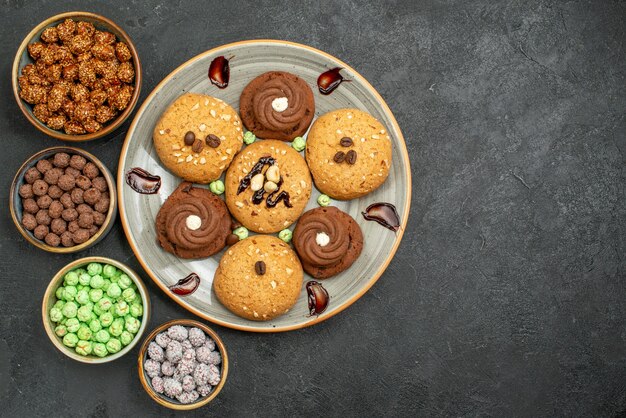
x: 193, y: 222
x: 322, y: 239
x: 280, y: 104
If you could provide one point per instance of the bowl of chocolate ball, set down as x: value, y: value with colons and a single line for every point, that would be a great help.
x: 63, y: 200
x: 95, y: 310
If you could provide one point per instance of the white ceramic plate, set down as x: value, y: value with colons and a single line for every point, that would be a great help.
x: 252, y: 58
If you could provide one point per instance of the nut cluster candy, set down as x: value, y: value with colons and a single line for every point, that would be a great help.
x: 183, y: 364
x: 98, y: 310
x: 65, y: 200
x: 81, y: 79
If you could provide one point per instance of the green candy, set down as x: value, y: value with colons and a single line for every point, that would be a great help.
x: 249, y: 138
x: 94, y: 269
x: 95, y: 326
x: 108, y: 271
x: 84, y: 279
x: 84, y: 348
x: 100, y: 350
x: 102, y: 336
x: 129, y: 295
x: 72, y: 324
x: 217, y: 187
x: 106, y: 319
x: 114, y: 291
x: 124, y: 282
x: 95, y: 295
x: 96, y: 282
x: 298, y: 143
x: 136, y: 310
x: 70, y: 310
x: 82, y: 297
x: 60, y: 292
x: 59, y: 304
x: 56, y: 314
x: 132, y: 324
x: 84, y: 333
x: 285, y: 235
x: 104, y: 304
x: 114, y: 345
x: 70, y: 293
x: 117, y: 327
x: 126, y: 337
x: 84, y: 314
x: 241, y: 232
x: 70, y: 340
x: 323, y: 200
x: 71, y: 278
x: 106, y: 285
x: 60, y: 330
x: 122, y: 308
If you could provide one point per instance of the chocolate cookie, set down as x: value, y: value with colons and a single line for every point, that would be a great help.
x: 267, y: 186
x: 349, y: 153
x: 192, y: 223
x: 259, y: 278
x: 328, y: 241
x: 197, y: 137
x: 277, y: 105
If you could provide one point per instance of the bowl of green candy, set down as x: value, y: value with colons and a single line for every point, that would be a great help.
x: 95, y: 310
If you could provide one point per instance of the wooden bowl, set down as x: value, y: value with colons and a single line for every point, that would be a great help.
x: 49, y: 299
x: 15, y: 201
x: 165, y: 400
x: 22, y: 58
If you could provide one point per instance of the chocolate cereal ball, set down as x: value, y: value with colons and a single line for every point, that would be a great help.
x: 93, y: 230
x: 98, y: 218
x: 41, y: 231
x: 102, y: 205
x: 43, y: 166
x: 66, y: 201
x: 84, y: 208
x: 61, y: 160
x: 78, y: 162
x: 85, y: 220
x: 26, y: 191
x: 31, y: 175
x: 58, y: 226
x: 44, y: 201
x: 40, y: 187
x: 77, y: 196
x: 30, y: 206
x: 83, y: 182
x: 92, y: 195
x: 71, y: 171
x: 73, y: 226
x: 100, y: 183
x: 28, y: 221
x: 69, y: 214
x: 91, y: 171
x: 55, y: 209
x: 53, y: 240
x: 55, y: 192
x: 66, y: 239
x: 80, y: 236
x: 66, y: 182
x: 43, y: 218
x: 52, y: 176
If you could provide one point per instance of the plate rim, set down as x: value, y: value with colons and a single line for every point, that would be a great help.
x: 402, y: 149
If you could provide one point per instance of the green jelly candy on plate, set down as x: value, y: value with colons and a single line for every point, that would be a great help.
x: 56, y: 314
x: 108, y: 271
x: 70, y: 310
x: 71, y: 278
x: 94, y: 325
x: 113, y: 345
x: 83, y: 333
x: 117, y: 327
x: 100, y: 350
x: 122, y: 308
x: 106, y: 284
x: 136, y: 310
x: 82, y: 297
x: 132, y: 324
x: 70, y: 293
x: 84, y: 279
x: 60, y: 330
x: 84, y: 314
x: 124, y: 281
x: 103, y: 336
x: 70, y: 340
x: 95, y: 295
x: 59, y: 292
x: 126, y: 337
x: 106, y: 319
x: 84, y: 348
x: 94, y: 268
x: 72, y: 324
x: 114, y: 291
x: 96, y: 282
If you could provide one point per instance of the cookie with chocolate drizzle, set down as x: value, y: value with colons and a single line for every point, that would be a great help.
x: 328, y: 241
x: 193, y: 222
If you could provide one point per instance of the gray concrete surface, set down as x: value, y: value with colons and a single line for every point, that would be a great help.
x: 507, y: 296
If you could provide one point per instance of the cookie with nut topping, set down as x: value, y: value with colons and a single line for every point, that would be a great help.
x: 349, y: 153
x: 267, y: 186
x: 259, y: 278
x: 197, y: 137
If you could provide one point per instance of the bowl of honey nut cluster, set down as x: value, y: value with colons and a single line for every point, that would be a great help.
x: 77, y: 76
